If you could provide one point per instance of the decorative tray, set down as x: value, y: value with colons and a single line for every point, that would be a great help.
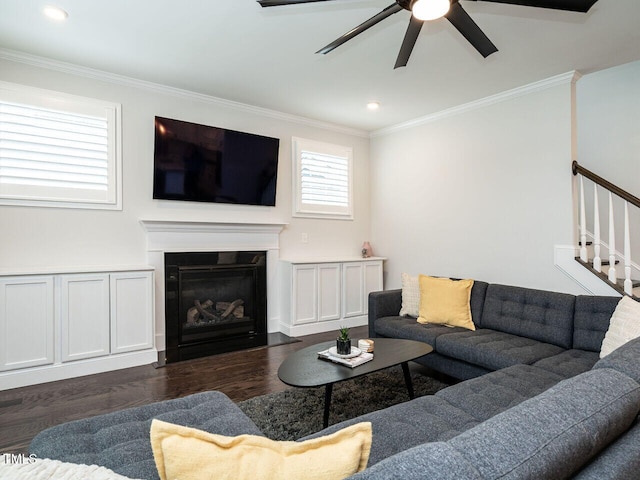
x: 355, y: 351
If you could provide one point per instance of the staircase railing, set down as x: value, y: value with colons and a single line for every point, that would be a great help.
x: 625, y: 285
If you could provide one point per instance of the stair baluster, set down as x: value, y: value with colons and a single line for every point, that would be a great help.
x: 597, y: 241
x: 613, y: 276
x: 628, y: 284
x: 583, y: 225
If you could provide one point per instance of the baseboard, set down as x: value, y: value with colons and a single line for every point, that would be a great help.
x: 325, y: 326
x: 62, y: 371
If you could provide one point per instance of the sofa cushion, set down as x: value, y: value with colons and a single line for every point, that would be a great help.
x: 591, y: 320
x: 569, y: 363
x: 120, y: 440
x: 495, y: 392
x: 429, y: 461
x: 620, y: 461
x: 554, y: 434
x: 492, y: 349
x: 536, y: 314
x: 624, y: 359
x: 408, y: 328
x: 405, y: 425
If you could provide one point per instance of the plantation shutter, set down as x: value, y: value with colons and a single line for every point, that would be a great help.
x: 52, y: 149
x: 57, y: 151
x: 324, y: 179
x: 323, y: 183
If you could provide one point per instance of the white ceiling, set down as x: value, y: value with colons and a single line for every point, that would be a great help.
x: 236, y: 50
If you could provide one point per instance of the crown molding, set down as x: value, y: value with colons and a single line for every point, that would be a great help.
x: 563, y: 79
x: 101, y: 75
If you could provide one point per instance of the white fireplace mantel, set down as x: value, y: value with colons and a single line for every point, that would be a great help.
x: 171, y: 236
x: 185, y: 236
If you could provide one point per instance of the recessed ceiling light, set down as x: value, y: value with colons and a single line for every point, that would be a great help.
x: 373, y: 105
x: 55, y: 13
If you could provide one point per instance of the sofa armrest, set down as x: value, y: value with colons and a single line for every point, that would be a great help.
x: 385, y: 303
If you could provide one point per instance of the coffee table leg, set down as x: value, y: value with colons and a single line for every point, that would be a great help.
x: 407, y: 379
x: 327, y: 403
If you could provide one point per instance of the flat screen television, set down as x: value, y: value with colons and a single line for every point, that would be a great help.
x: 200, y: 163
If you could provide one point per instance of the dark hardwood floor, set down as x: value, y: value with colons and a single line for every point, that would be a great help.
x: 241, y: 375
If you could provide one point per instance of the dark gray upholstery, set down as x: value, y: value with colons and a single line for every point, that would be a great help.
x: 620, y: 461
x: 383, y: 304
x: 624, y: 359
x: 409, y: 328
x: 430, y: 461
x: 120, y: 440
x: 536, y: 314
x: 452, y: 367
x: 449, y: 412
x: 547, y: 437
x: 492, y: 349
x: 552, y: 435
x: 498, y: 391
x: 591, y: 321
x: 569, y: 363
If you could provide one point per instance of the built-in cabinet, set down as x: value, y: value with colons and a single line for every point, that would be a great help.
x: 322, y: 296
x: 62, y: 325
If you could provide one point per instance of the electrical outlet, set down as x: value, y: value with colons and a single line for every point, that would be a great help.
x: 304, y: 238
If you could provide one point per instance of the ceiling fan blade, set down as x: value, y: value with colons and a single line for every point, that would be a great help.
x: 390, y: 10
x: 277, y: 3
x: 569, y: 5
x: 410, y: 38
x: 460, y: 19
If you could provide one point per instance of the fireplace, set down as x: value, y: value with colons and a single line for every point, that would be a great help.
x: 215, y: 302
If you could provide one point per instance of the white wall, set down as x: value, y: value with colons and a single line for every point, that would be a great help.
x: 484, y: 193
x: 51, y: 237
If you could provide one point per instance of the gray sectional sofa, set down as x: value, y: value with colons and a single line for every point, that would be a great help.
x: 536, y: 402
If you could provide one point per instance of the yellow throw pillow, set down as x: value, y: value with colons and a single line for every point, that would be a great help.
x: 445, y: 302
x: 189, y: 454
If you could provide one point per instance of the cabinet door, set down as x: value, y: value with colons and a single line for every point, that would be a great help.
x: 305, y: 294
x: 353, y: 287
x: 26, y: 322
x: 372, y: 280
x: 84, y: 308
x: 329, y: 291
x: 131, y: 311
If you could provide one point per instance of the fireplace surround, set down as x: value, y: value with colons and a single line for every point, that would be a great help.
x: 178, y: 236
x: 215, y: 302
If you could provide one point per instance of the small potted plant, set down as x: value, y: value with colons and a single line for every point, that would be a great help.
x: 343, y: 342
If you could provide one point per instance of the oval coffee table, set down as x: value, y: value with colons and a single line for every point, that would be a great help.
x: 305, y: 370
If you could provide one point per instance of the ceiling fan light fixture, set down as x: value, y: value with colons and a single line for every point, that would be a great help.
x: 430, y: 9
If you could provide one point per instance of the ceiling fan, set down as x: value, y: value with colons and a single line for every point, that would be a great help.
x: 425, y: 10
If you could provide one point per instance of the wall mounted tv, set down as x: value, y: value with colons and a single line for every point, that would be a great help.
x: 199, y: 163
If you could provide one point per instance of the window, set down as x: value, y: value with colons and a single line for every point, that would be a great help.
x: 323, y: 183
x: 58, y: 150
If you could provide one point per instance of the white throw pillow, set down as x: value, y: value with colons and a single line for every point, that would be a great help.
x: 624, y: 326
x: 410, y: 296
x: 47, y: 469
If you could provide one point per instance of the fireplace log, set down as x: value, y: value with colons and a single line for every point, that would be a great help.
x: 238, y: 312
x: 193, y: 315
x: 201, y: 309
x: 232, y: 307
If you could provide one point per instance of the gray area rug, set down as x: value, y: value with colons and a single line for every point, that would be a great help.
x: 297, y: 412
